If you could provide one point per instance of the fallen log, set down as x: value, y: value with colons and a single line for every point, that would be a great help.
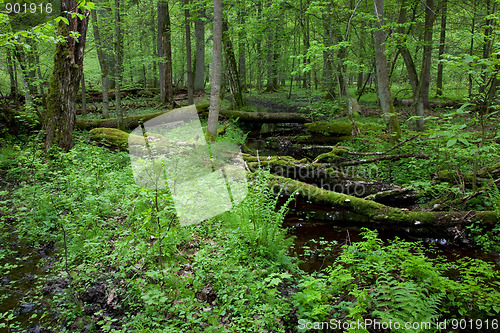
x: 379, y: 213
x: 267, y: 117
x: 129, y: 122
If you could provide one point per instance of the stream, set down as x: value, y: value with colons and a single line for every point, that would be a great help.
x: 320, y: 232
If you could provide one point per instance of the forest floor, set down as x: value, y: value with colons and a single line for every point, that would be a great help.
x: 104, y: 258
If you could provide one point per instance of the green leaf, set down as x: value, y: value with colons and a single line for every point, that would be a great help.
x: 451, y: 142
x: 468, y: 59
x: 464, y: 141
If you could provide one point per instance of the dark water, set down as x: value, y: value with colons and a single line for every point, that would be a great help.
x: 23, y: 308
x: 320, y: 233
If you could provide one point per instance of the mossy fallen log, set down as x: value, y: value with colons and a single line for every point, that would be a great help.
x: 379, y: 213
x: 339, y: 179
x: 117, y: 139
x: 267, y: 117
x: 129, y: 122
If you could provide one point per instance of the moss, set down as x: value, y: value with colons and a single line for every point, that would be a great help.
x: 202, y: 107
x: 332, y: 155
x: 330, y: 129
x: 110, y: 136
x: 309, y: 139
x: 371, y: 127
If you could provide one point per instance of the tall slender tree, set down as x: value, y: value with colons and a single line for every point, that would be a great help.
x: 165, y: 52
x: 103, y: 64
x: 188, y: 53
x: 213, y: 115
x: 118, y: 64
x: 383, y: 88
x: 199, y: 27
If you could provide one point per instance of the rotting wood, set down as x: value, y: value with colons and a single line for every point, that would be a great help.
x: 379, y: 213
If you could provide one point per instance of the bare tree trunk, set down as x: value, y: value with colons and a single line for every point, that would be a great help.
x: 383, y: 89
x: 12, y: 76
x: 27, y: 75
x: 118, y: 65
x: 442, y: 40
x: 165, y: 52
x: 306, y: 79
x: 487, y: 43
x: 410, y: 65
x: 84, y: 95
x: 68, y: 62
x: 188, y: 54
x: 328, y: 54
x: 213, y: 115
x: 422, y: 98
x: 103, y: 64
x: 36, y: 58
x: 241, y: 51
x: 232, y: 69
x: 199, y: 31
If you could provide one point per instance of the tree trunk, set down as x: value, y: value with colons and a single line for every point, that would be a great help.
x: 410, y: 65
x: 36, y: 58
x: 232, y: 69
x: 188, y: 54
x: 165, y: 52
x: 84, y: 95
x: 487, y: 44
x: 12, y: 76
x: 241, y: 50
x: 27, y: 75
x: 68, y: 65
x: 199, y: 31
x: 383, y: 89
x: 442, y: 40
x: 422, y: 97
x: 118, y: 64
x: 103, y: 64
x: 328, y: 54
x: 213, y: 115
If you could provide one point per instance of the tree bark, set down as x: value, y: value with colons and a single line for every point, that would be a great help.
x: 422, y: 96
x: 84, y: 95
x: 199, y: 31
x: 241, y: 49
x: 118, y: 64
x: 442, y: 40
x: 165, y: 52
x: 383, y: 89
x: 103, y: 64
x: 213, y: 115
x: 188, y: 54
x: 232, y: 69
x: 12, y: 76
x: 409, y: 63
x: 68, y: 65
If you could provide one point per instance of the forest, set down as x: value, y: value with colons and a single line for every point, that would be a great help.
x: 249, y: 166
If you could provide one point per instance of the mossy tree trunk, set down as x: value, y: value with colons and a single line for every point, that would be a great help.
x: 65, y: 79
